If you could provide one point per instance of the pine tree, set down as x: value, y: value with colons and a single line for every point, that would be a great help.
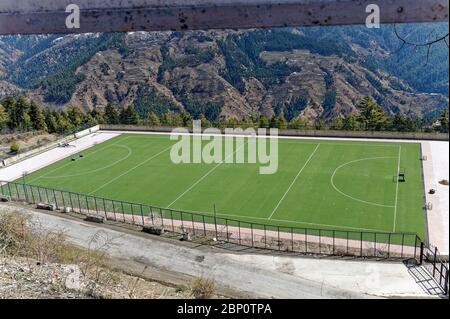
x: 50, y: 121
x: 204, y: 121
x: 129, y: 116
x: 75, y: 115
x: 187, y: 119
x: 371, y: 115
x: 176, y: 120
x: 278, y: 122
x: 337, y: 123
x: 63, y: 122
x: 263, y: 122
x: 298, y: 124
x: 18, y: 113
x: 351, y: 123
x: 111, y: 114
x: 97, y: 116
x: 37, y: 117
x: 443, y: 119
x: 153, y: 119
x: 3, y: 117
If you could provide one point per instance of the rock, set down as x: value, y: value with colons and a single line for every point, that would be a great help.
x: 154, y: 230
x: 95, y: 219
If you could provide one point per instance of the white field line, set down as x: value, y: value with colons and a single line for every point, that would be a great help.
x: 351, y: 197
x: 204, y: 176
x: 287, y: 221
x: 295, y: 179
x: 396, y: 187
x: 131, y: 169
x: 130, y: 152
x: 58, y: 168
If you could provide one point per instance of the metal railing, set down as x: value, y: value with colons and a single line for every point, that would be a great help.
x: 302, y: 240
x: 435, y: 265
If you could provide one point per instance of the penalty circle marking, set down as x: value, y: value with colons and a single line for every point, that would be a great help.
x: 354, y: 198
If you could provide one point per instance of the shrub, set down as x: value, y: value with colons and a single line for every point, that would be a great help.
x: 15, y: 147
x: 203, y: 288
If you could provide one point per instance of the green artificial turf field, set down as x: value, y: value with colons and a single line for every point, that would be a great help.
x: 346, y: 185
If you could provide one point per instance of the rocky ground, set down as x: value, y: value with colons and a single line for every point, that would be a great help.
x: 27, y: 278
x: 36, y: 263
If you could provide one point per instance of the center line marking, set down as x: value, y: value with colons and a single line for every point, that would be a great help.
x: 204, y: 176
x: 295, y: 179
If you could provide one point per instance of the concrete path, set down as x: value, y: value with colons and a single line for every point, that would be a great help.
x: 44, y: 159
x: 265, y: 276
x: 435, y: 169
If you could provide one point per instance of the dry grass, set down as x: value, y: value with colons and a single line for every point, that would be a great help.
x: 203, y: 288
x: 20, y: 236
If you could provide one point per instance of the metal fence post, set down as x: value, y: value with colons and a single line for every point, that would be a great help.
x: 389, y: 245
x: 62, y: 195
x: 132, y: 214
x: 292, y: 238
x: 54, y: 198
x: 79, y: 203
x: 104, y: 208
x: 114, y: 210
x: 306, y: 240
x: 320, y: 241
x: 422, y: 247
x: 142, y: 216
x: 279, y: 242
x: 333, y: 241
x: 204, y: 225
x: 87, y: 204
x: 347, y: 244
x: 251, y: 228
x: 239, y: 230
x: 265, y: 237
x: 375, y: 245
x: 70, y: 199
x: 26, y: 193
x: 434, y: 261
x: 123, y: 210
x: 9, y: 187
x: 446, y: 282
x: 361, y: 245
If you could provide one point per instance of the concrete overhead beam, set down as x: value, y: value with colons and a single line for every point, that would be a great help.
x: 49, y: 16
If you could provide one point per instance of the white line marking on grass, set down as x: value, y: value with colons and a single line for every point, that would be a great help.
x: 131, y: 169
x: 296, y: 177
x: 130, y: 152
x: 207, y: 173
x: 69, y: 163
x: 289, y: 221
x: 351, y: 197
x: 396, y: 187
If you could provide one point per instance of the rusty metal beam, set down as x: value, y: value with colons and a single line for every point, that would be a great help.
x: 49, y: 16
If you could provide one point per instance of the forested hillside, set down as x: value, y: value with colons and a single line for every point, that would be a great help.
x: 311, y: 74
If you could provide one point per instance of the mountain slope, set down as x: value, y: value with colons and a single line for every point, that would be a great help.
x: 308, y: 72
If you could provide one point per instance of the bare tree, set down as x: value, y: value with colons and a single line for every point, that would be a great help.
x: 431, y: 40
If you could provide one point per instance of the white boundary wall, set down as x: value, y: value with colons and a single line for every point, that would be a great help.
x: 52, y: 155
x: 385, y: 135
